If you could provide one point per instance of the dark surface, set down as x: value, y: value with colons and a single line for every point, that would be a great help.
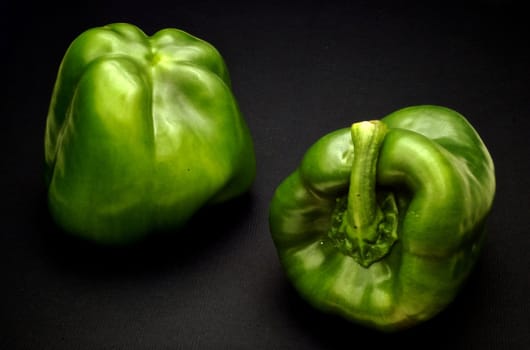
x: 298, y: 72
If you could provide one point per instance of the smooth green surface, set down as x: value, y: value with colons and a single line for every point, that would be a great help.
x: 141, y: 133
x: 441, y: 177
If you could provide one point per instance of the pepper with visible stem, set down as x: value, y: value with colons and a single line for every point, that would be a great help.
x: 383, y: 222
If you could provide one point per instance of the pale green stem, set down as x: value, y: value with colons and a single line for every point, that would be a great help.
x: 363, y: 214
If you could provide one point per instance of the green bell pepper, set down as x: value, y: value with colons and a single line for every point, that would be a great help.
x: 383, y: 222
x: 141, y: 133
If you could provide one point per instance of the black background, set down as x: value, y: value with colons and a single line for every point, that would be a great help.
x: 299, y: 70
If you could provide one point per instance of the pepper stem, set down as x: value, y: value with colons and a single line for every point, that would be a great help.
x: 365, y: 227
x: 362, y: 213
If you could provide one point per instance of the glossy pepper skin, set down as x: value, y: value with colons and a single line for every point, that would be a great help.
x: 141, y: 133
x: 383, y: 222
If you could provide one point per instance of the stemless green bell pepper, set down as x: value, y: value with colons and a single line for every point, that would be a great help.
x: 383, y: 222
x: 141, y: 133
